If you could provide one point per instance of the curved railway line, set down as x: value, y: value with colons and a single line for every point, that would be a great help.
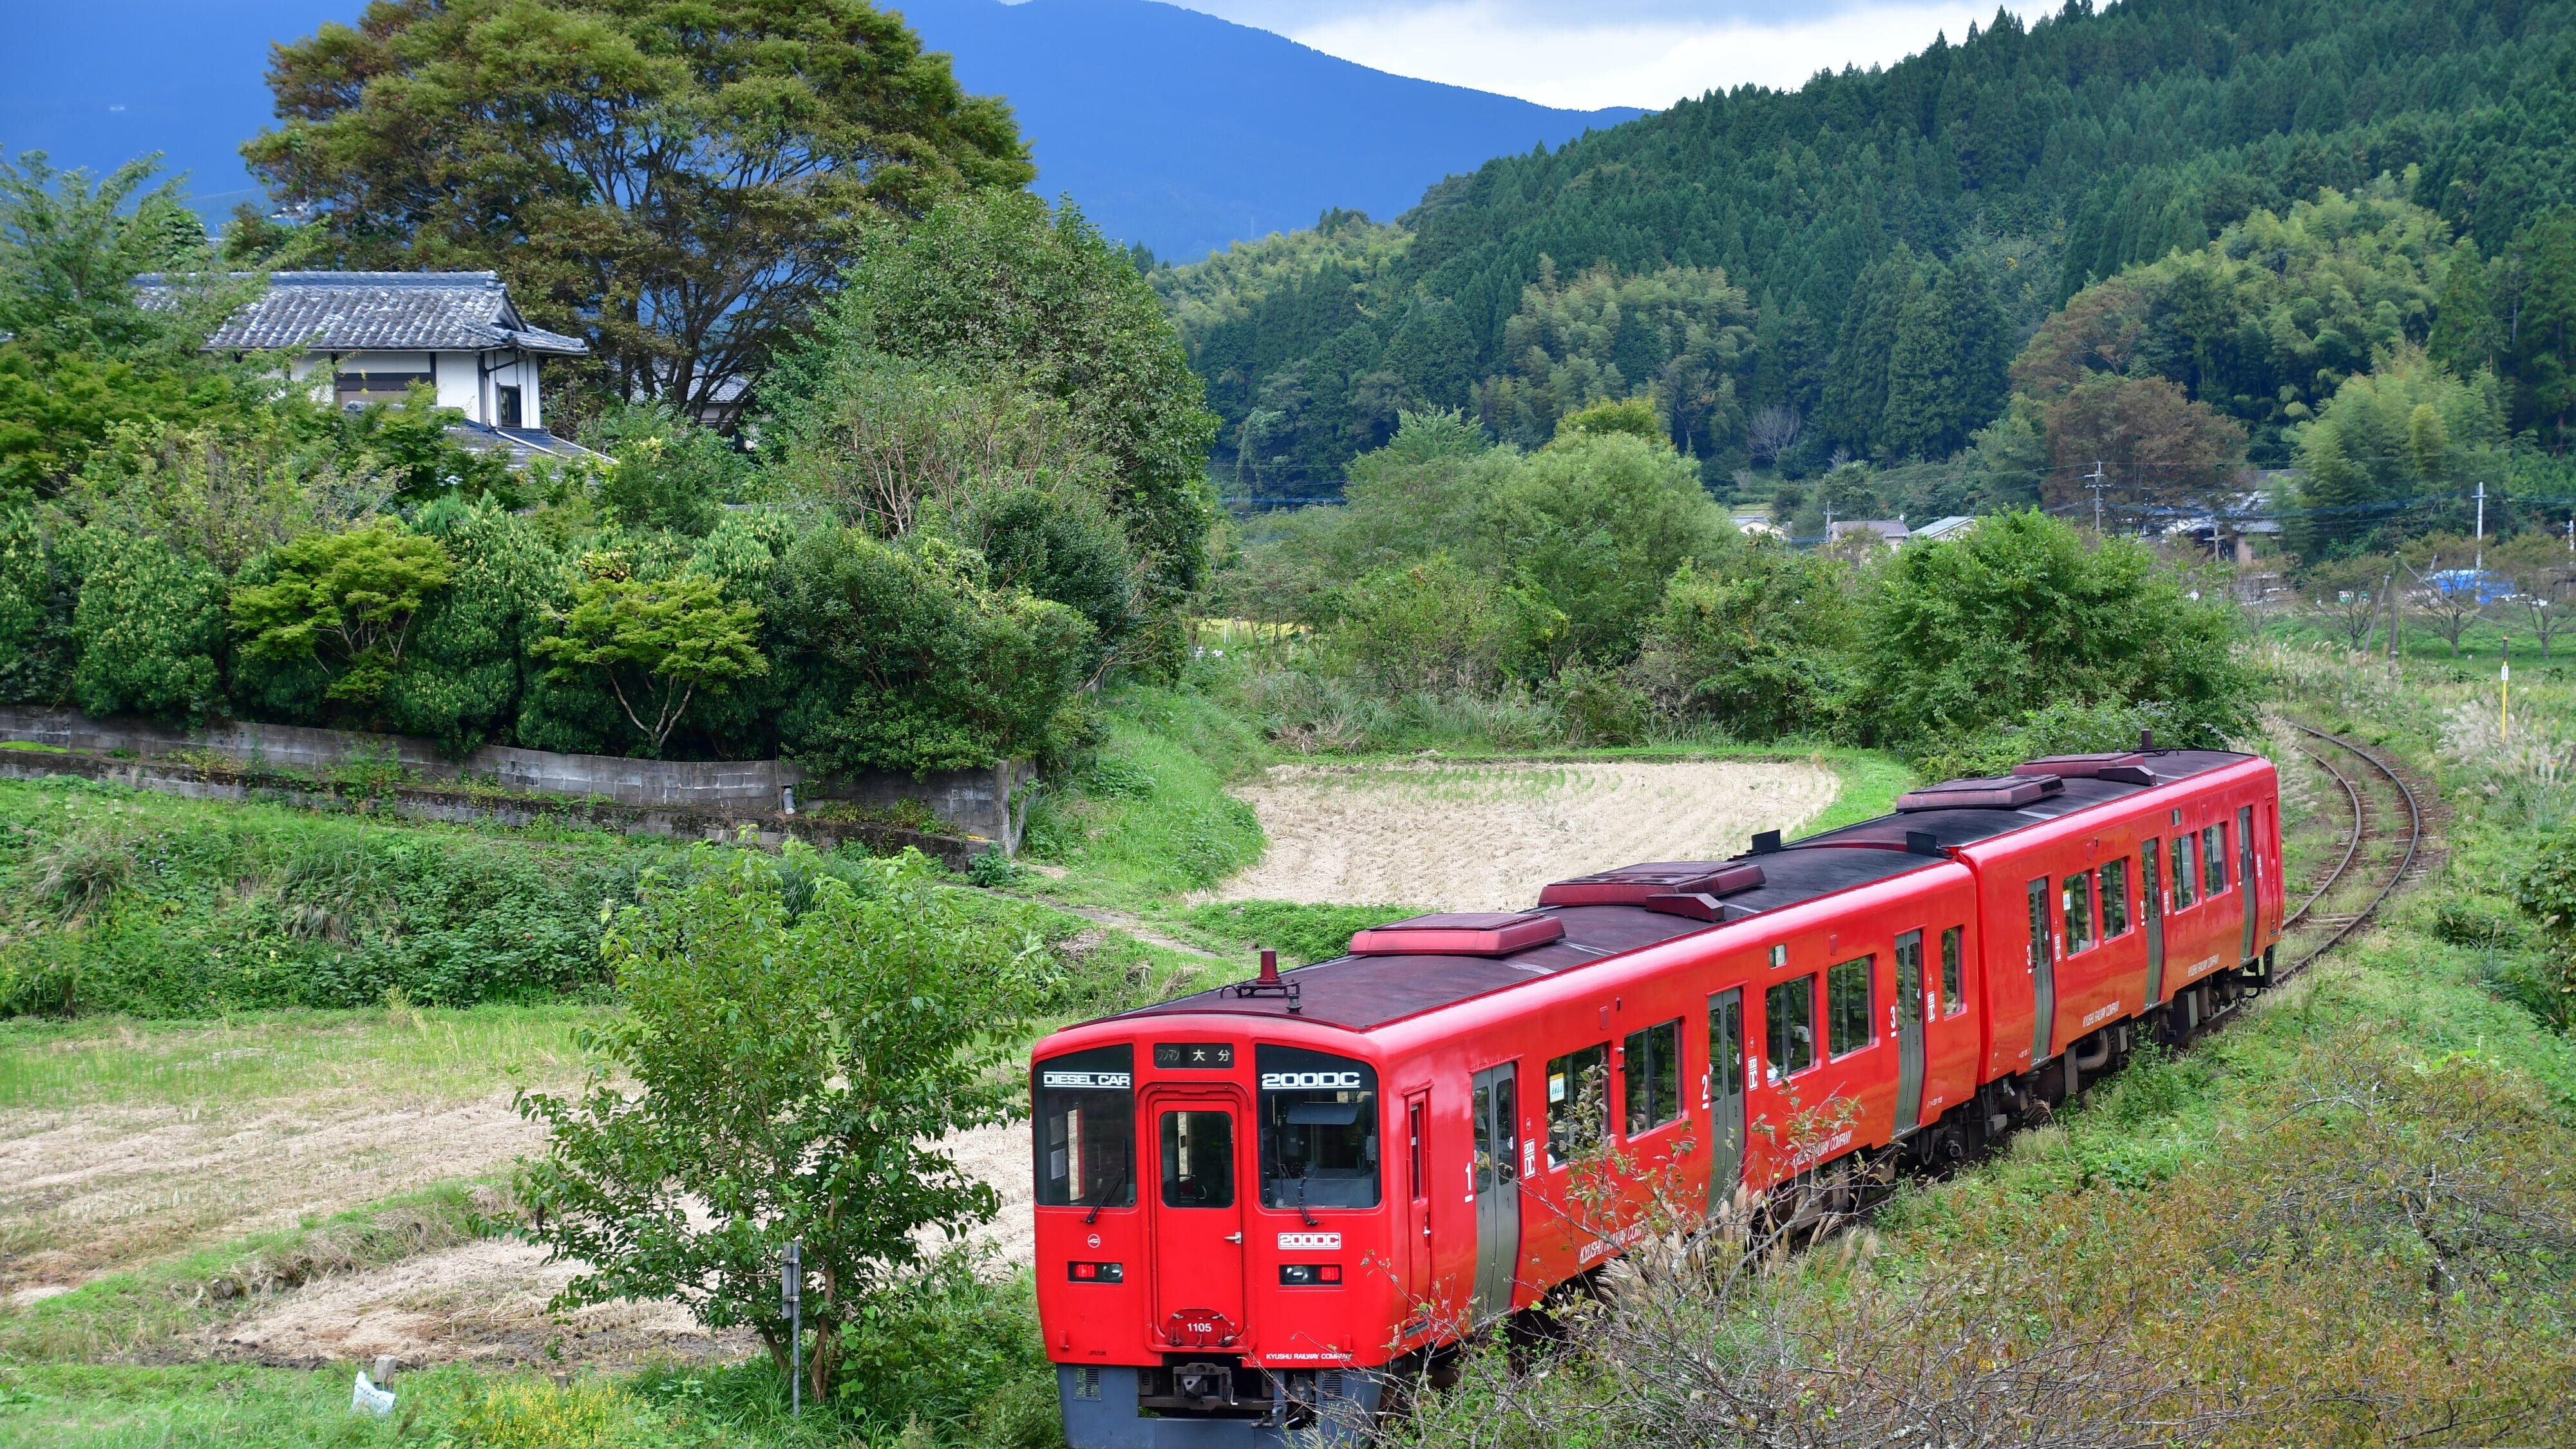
x: 2369, y: 801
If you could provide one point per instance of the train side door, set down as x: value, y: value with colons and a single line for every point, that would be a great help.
x: 1907, y: 1025
x: 1198, y: 1217
x: 2245, y: 876
x: 1495, y: 1106
x: 1417, y: 1135
x: 2043, y: 975
x: 2152, y: 903
x: 1725, y: 1096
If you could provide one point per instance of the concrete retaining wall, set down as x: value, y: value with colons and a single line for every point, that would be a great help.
x: 482, y: 807
x: 990, y: 804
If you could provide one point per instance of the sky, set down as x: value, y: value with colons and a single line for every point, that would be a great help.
x: 1594, y: 53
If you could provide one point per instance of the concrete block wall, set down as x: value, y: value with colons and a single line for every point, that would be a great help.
x: 990, y: 803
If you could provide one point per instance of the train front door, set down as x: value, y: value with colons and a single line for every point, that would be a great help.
x: 2043, y: 975
x: 1907, y: 1010
x: 1198, y: 1218
x: 1725, y: 1097
x: 2151, y: 867
x: 1496, y: 1180
x: 2245, y: 876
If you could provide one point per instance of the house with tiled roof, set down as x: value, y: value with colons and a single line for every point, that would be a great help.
x: 369, y: 337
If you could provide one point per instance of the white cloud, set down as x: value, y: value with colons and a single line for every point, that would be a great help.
x: 1628, y: 53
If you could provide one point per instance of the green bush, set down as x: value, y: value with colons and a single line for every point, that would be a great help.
x: 1751, y: 643
x: 2025, y: 614
x: 125, y: 902
x: 1434, y: 625
x: 149, y: 627
x: 957, y: 1354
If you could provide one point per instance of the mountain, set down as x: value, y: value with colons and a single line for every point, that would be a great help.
x: 1185, y: 132
x: 1170, y: 128
x: 1844, y: 268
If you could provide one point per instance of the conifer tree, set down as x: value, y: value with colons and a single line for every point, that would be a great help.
x: 2465, y: 337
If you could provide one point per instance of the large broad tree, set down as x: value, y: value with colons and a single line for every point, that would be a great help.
x: 678, y: 183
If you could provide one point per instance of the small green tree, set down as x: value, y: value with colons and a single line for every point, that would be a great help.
x: 780, y: 1076
x: 1753, y: 644
x: 345, y: 601
x: 657, y: 644
x: 148, y: 627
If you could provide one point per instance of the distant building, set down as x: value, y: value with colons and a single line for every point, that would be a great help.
x: 1957, y: 525
x: 1889, y: 531
x: 1757, y: 523
x: 369, y: 337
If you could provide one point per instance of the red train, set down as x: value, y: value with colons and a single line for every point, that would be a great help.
x: 1255, y: 1201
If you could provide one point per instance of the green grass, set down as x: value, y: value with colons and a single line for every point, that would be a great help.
x: 450, y: 1054
x: 1871, y: 781
x: 1151, y: 818
x: 1300, y: 933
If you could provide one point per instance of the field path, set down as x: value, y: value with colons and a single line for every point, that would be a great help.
x: 1486, y: 836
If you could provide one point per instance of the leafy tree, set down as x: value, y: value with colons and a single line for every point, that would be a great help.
x: 1751, y: 643
x: 148, y: 628
x: 1634, y: 417
x: 471, y: 662
x: 2350, y: 595
x: 39, y: 587
x: 1675, y: 338
x: 670, y: 473
x: 2026, y: 613
x: 2155, y: 446
x: 780, y: 1074
x: 911, y: 663
x: 655, y: 643
x: 678, y: 184
x: 79, y: 354
x: 344, y: 600
x: 1434, y: 626
x: 997, y: 290
x: 2396, y: 451
x: 1595, y: 525
x: 2543, y: 571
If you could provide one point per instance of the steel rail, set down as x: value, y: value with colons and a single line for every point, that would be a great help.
x: 2414, y: 840
x: 2351, y: 845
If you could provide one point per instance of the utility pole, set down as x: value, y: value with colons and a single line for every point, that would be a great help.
x: 2097, y: 485
x: 2481, y: 564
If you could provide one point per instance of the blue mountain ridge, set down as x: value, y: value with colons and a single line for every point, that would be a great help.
x: 1171, y: 128
x: 1186, y: 132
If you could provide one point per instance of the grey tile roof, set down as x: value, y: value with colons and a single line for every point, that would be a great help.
x: 522, y: 444
x: 388, y: 311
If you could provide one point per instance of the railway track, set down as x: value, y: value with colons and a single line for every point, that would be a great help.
x: 2387, y: 815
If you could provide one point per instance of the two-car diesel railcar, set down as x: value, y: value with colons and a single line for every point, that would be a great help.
x: 1254, y: 1201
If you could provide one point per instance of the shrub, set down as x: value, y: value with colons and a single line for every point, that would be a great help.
x: 2024, y: 614
x: 780, y: 1077
x: 1434, y: 625
x: 1751, y: 643
x: 148, y: 627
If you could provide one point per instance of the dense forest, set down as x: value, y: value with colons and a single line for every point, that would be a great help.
x: 2275, y: 193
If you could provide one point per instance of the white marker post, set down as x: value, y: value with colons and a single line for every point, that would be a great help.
x: 791, y: 1281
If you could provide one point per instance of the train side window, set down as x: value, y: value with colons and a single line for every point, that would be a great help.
x: 1789, y: 1028
x: 2115, y: 898
x: 1953, y: 993
x: 2183, y: 895
x: 1654, y: 1070
x: 1849, y: 1024
x: 1086, y: 1129
x: 2078, y: 906
x: 1578, y: 1102
x: 2213, y: 861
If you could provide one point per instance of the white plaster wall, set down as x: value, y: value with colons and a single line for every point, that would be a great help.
x: 460, y: 386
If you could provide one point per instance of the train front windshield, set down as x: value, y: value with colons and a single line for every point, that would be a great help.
x: 1318, y: 1129
x: 1086, y: 1129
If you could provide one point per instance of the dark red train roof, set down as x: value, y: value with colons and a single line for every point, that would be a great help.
x: 1361, y: 992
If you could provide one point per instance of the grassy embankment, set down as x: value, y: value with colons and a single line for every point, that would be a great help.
x: 243, y: 959
x: 2345, y: 1220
